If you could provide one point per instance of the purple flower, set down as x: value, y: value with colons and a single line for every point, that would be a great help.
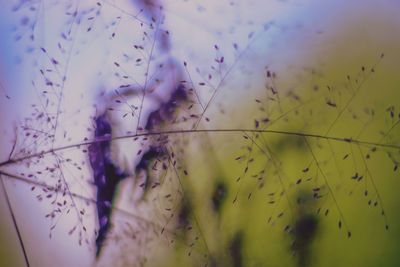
x: 106, y: 177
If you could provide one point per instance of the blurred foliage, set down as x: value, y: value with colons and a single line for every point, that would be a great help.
x: 276, y: 199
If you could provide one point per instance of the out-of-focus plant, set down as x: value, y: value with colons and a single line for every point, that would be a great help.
x: 159, y: 178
